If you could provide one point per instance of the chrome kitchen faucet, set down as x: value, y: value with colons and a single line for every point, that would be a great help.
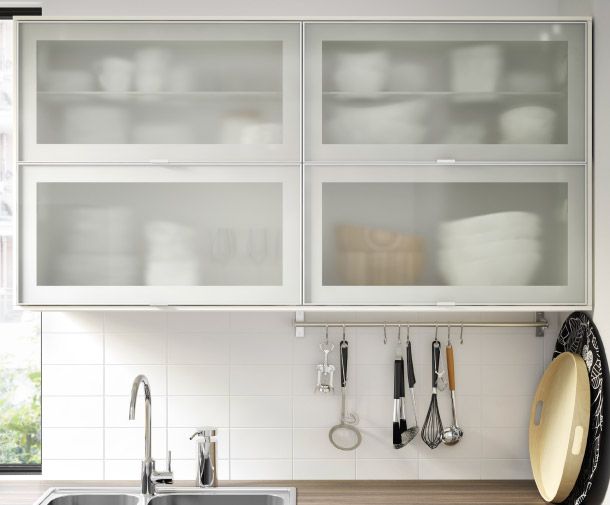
x: 150, y: 476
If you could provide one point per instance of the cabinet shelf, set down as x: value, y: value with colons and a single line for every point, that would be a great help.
x: 160, y: 93
x: 458, y: 96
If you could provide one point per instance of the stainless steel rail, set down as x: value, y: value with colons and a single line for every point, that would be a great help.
x: 540, y: 324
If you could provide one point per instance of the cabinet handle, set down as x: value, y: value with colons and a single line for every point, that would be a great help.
x: 445, y: 161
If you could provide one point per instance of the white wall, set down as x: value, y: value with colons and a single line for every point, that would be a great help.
x: 304, y: 7
x: 249, y: 375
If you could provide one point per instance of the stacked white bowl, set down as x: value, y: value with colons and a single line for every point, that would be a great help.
x: 98, y: 248
x: 502, y: 248
x: 171, y: 254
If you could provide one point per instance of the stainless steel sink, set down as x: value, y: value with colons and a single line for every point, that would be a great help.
x: 226, y: 496
x: 91, y: 496
x: 170, y: 495
x: 95, y: 499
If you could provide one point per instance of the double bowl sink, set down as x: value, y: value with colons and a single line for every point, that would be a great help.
x: 175, y: 496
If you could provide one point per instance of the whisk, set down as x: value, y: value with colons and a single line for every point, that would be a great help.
x: 432, y: 430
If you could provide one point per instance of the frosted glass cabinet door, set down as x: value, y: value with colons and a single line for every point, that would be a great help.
x: 177, y: 91
x: 120, y: 235
x: 464, y: 91
x: 478, y: 235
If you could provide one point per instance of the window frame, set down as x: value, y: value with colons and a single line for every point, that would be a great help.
x: 20, y: 469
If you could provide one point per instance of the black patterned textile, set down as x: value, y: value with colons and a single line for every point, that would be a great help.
x: 579, y: 335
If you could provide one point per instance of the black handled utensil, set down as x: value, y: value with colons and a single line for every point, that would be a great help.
x: 401, y: 383
x: 396, y: 433
x: 412, y: 431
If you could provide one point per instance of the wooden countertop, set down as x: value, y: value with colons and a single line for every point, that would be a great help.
x: 25, y: 492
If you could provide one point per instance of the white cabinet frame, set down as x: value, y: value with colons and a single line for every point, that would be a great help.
x: 288, y: 293
x: 315, y: 151
x: 28, y: 150
x: 317, y: 294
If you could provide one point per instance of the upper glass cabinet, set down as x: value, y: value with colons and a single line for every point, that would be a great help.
x: 463, y: 91
x: 176, y: 91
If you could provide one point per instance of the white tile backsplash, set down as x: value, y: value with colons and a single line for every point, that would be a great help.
x: 73, y: 349
x: 129, y: 322
x: 324, y: 469
x: 246, y: 373
x: 135, y: 349
x: 72, y: 380
x: 198, y: 322
x: 128, y: 443
x: 269, y: 380
x: 72, y: 443
x: 198, y: 349
x: 261, y: 443
x: 387, y: 469
x: 72, y: 322
x: 263, y: 469
x: 261, y: 411
x: 450, y: 469
x: 73, y: 469
x: 186, y: 411
x: 73, y: 412
x: 507, y: 469
x: 197, y: 380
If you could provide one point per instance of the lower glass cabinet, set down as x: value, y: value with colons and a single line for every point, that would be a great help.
x: 463, y: 235
x: 182, y: 235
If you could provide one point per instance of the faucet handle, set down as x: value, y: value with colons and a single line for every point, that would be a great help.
x: 169, y: 461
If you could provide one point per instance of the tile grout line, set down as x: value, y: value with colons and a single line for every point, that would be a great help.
x: 103, y: 396
x: 167, y: 449
x: 230, y: 336
x: 293, y: 359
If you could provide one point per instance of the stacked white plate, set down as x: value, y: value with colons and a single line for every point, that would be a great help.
x: 502, y: 249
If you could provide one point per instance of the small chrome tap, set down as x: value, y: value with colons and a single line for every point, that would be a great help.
x: 206, y: 457
x: 150, y: 476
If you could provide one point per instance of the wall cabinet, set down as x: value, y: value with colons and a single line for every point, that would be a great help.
x: 303, y: 163
x: 188, y: 235
x: 434, y: 91
x: 140, y: 91
x: 499, y: 91
x: 412, y: 235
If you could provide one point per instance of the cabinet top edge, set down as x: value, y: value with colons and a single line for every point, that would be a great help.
x: 458, y: 309
x: 305, y: 19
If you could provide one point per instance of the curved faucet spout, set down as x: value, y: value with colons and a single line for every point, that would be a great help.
x: 140, y: 379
